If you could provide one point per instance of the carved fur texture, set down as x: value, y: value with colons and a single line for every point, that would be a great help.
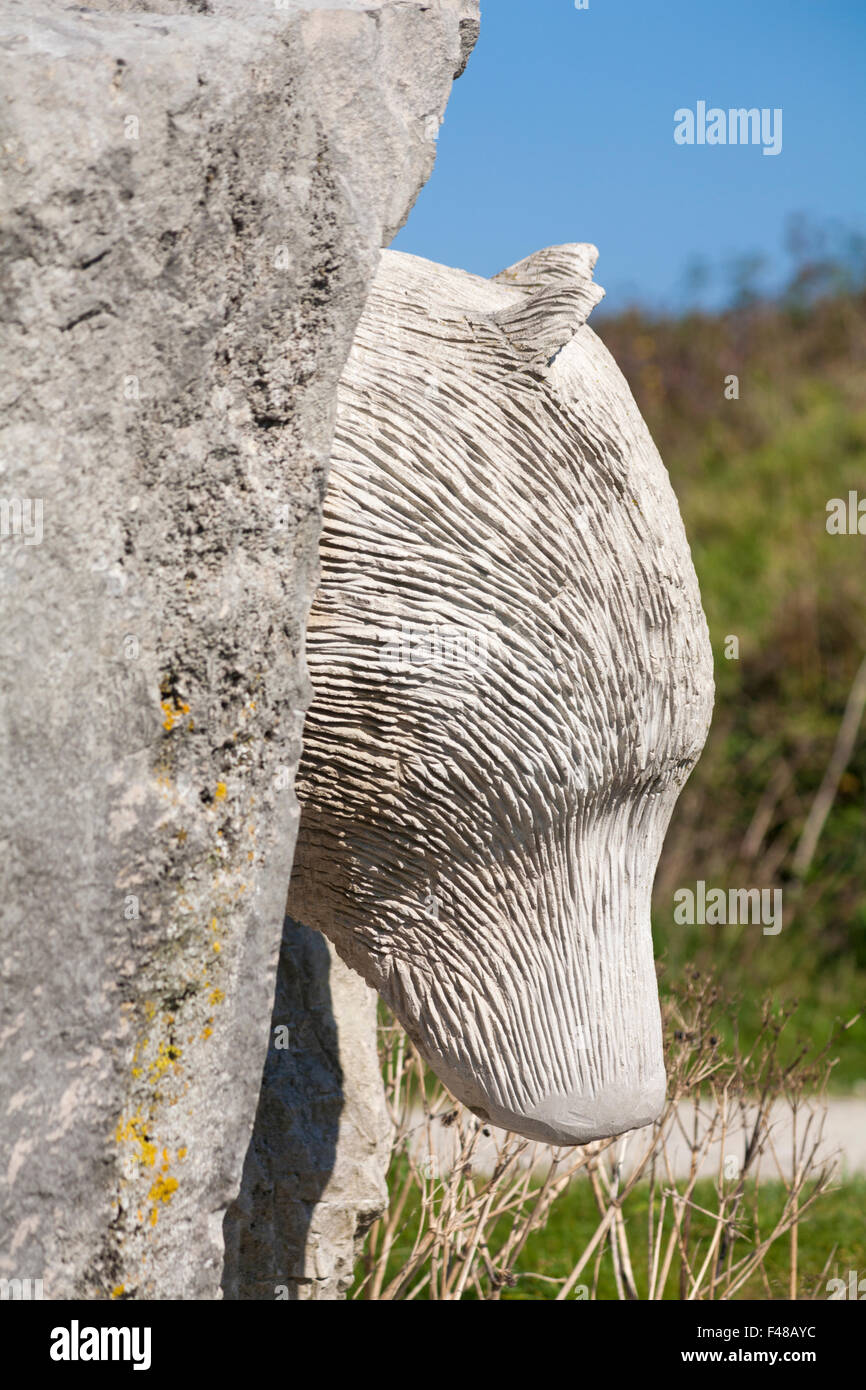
x: 512, y: 681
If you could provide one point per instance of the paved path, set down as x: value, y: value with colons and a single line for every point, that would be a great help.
x: 844, y: 1142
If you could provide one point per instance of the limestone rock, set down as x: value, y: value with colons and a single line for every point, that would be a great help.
x: 513, y: 679
x: 194, y: 198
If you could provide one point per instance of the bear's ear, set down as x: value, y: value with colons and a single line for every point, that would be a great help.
x: 558, y: 295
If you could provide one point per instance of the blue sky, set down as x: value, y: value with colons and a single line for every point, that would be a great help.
x: 561, y: 129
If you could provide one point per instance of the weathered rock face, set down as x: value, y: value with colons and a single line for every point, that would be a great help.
x: 193, y: 208
x: 513, y: 679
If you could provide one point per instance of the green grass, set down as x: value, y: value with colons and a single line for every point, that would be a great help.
x: 835, y: 1222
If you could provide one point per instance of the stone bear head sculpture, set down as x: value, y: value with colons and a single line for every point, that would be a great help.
x: 512, y: 680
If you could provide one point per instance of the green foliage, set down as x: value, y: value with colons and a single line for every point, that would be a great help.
x: 753, y: 477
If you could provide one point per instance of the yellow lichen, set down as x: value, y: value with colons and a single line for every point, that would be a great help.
x: 132, y: 1132
x: 172, y: 711
x: 163, y: 1190
x: 221, y: 791
x: 167, y: 1055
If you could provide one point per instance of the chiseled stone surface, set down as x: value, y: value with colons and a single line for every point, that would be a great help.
x: 194, y: 198
x: 513, y: 679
